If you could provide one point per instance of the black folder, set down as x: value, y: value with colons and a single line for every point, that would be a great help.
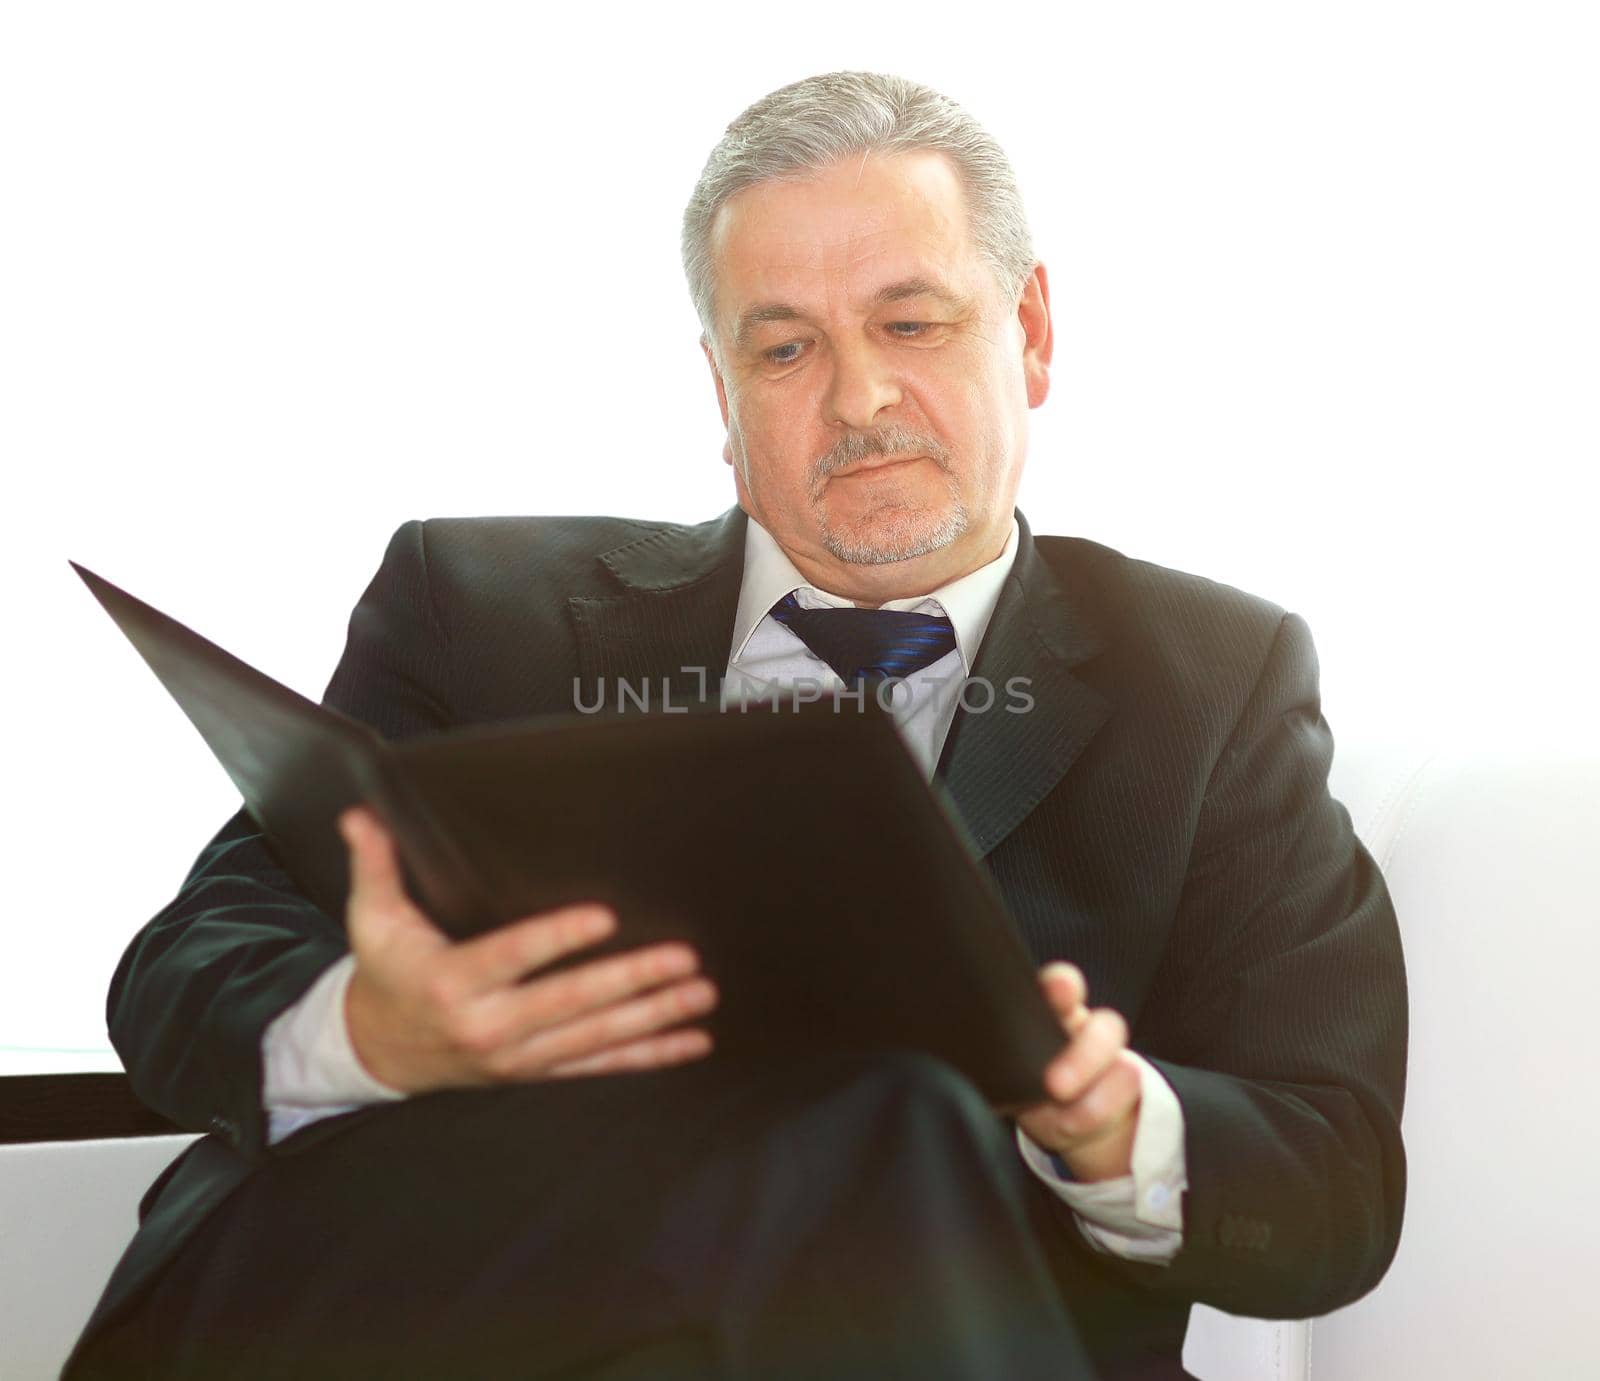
x: 831, y: 895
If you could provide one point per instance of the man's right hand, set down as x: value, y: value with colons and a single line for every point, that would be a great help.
x: 425, y: 1012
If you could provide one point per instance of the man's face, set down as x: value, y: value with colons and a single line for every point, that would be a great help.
x: 875, y: 382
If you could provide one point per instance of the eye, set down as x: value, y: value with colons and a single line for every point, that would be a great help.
x: 907, y: 330
x: 777, y: 354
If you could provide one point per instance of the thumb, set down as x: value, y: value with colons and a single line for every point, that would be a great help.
x: 1066, y: 990
x: 1064, y: 986
x: 377, y: 891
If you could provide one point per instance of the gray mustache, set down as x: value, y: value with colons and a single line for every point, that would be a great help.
x: 855, y: 447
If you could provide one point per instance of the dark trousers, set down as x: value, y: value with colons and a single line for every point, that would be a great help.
x: 851, y: 1218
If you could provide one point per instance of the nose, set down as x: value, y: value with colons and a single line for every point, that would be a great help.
x: 862, y: 386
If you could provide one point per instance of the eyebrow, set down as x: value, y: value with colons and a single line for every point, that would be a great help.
x: 752, y: 317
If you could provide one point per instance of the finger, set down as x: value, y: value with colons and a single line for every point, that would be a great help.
x: 610, y: 1027
x: 511, y: 952
x: 1091, y: 1052
x: 374, y: 871
x: 1064, y: 986
x: 591, y: 987
x: 378, y: 904
x: 655, y: 1052
x: 1103, y: 1106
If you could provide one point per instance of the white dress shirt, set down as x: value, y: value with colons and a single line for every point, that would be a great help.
x: 311, y: 1070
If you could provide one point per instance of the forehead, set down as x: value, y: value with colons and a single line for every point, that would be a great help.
x: 830, y: 241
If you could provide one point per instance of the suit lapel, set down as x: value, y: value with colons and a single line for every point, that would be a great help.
x: 672, y: 623
x: 998, y: 765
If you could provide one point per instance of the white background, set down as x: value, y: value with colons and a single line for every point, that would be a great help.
x: 276, y: 277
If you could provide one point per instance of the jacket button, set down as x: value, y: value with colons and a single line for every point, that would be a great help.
x: 225, y: 1129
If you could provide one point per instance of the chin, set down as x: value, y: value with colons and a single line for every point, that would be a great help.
x: 893, y: 534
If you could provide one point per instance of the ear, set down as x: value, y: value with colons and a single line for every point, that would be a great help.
x: 1038, y: 337
x: 722, y: 397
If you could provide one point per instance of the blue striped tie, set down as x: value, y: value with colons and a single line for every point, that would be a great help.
x: 868, y: 644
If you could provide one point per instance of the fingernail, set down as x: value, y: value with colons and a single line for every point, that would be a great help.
x: 1057, y: 970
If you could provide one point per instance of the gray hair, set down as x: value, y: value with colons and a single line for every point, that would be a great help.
x: 813, y: 124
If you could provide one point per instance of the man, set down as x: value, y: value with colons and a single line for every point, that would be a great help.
x: 403, y: 1176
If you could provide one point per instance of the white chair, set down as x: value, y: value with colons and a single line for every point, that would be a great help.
x: 1492, y: 854
x: 67, y: 1209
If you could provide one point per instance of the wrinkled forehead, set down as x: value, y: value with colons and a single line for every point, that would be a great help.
x: 831, y: 243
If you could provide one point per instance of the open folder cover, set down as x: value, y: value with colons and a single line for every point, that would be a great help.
x: 830, y: 894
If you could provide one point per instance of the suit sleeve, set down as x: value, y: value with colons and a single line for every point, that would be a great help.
x: 1287, y: 1050
x: 200, y: 983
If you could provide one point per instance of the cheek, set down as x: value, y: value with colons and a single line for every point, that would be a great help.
x: 994, y: 404
x: 782, y: 430
x: 964, y: 401
x: 770, y: 454
x: 748, y: 428
x: 974, y: 427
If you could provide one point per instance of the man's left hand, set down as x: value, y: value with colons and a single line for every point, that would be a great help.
x: 1092, y: 1113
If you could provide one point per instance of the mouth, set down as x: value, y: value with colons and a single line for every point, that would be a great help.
x: 876, y: 463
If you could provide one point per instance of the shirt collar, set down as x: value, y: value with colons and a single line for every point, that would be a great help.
x: 968, y: 601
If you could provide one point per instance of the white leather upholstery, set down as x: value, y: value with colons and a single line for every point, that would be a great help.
x: 1222, y: 1347
x: 1375, y: 782
x: 67, y: 1209
x: 1493, y: 857
x: 1494, y: 862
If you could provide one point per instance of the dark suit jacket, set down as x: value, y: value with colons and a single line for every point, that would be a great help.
x: 1161, y: 818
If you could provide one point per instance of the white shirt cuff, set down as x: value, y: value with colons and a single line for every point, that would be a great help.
x: 1140, y: 1215
x: 309, y: 1068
